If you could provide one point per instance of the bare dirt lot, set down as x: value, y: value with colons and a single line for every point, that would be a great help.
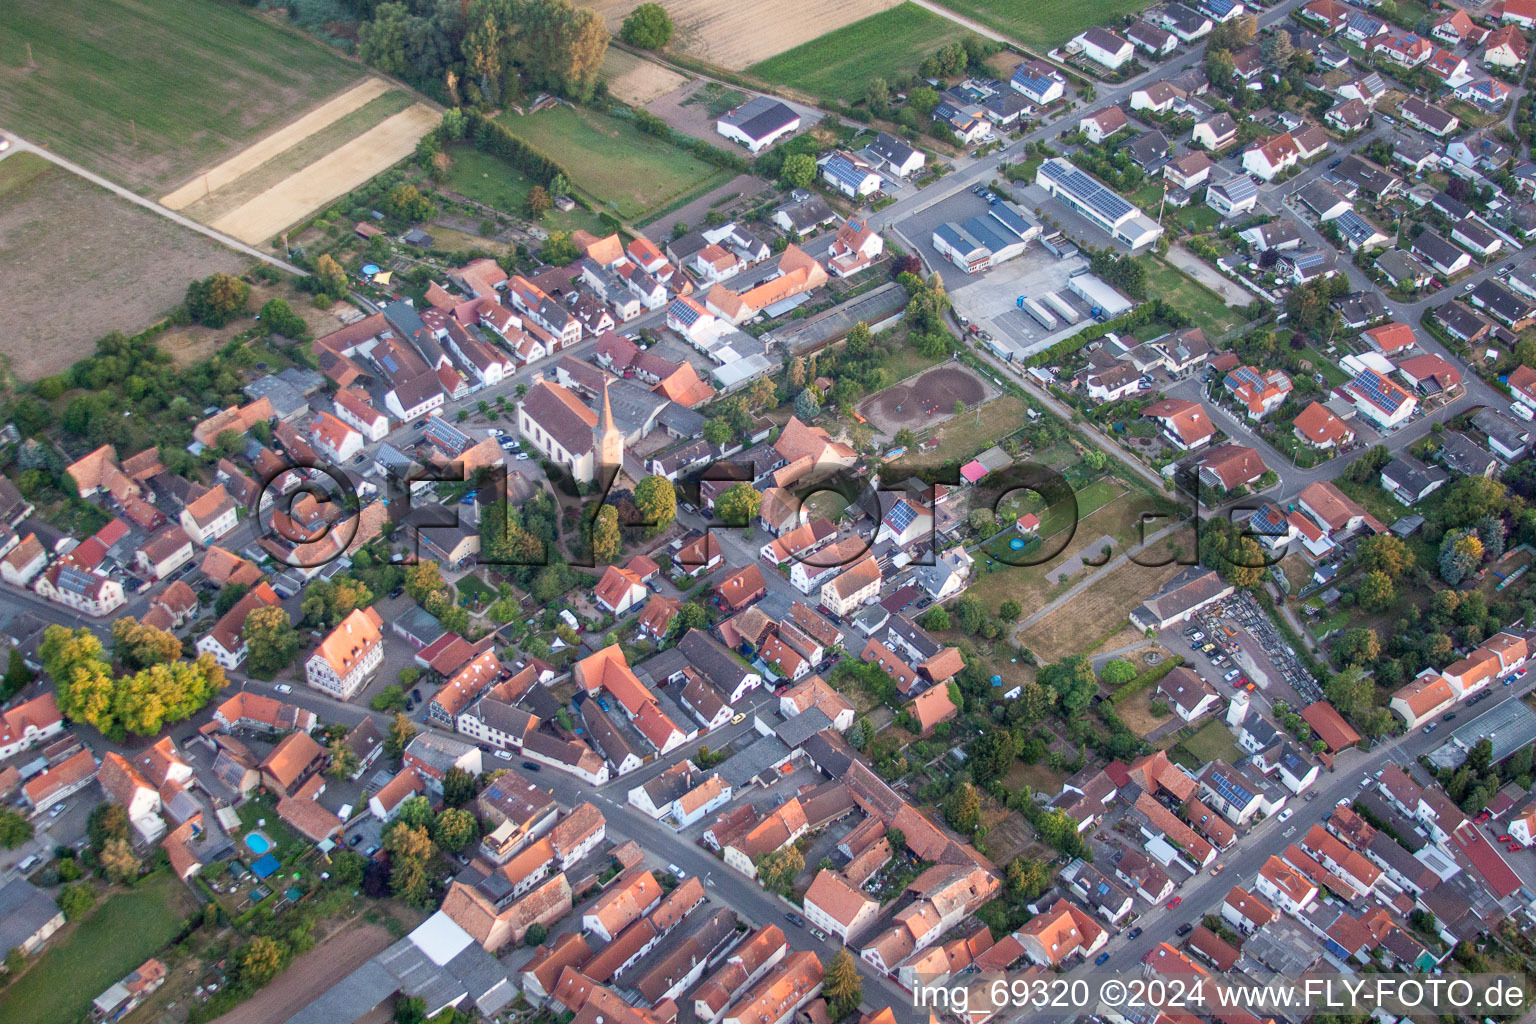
x: 279, y: 141
x: 1097, y: 611
x: 926, y: 401
x: 634, y: 79
x: 332, y: 175
x: 310, y: 975
x: 735, y: 35
x: 60, y: 234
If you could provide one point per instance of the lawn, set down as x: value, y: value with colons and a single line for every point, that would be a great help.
x: 122, y: 932
x: 1044, y: 23
x: 1213, y: 741
x: 147, y: 92
x: 1327, y: 367
x: 491, y: 180
x: 840, y: 64
x: 1204, y: 307
x: 613, y: 161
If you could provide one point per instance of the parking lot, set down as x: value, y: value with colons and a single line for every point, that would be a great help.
x: 1236, y: 635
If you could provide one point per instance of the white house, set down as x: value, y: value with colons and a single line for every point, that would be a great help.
x: 210, y: 516
x: 1104, y: 47
x: 346, y: 658
x: 335, y: 439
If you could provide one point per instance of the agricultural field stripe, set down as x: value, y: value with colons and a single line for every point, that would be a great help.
x: 332, y: 175
x: 285, y: 138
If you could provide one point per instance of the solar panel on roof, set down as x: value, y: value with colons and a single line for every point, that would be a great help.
x: 1095, y: 196
x: 1377, y: 390
x: 901, y: 516
x: 75, y: 580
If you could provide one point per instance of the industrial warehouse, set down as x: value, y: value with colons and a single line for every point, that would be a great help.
x: 980, y: 243
x: 1100, y: 205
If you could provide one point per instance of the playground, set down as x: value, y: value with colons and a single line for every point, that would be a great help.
x: 925, y: 401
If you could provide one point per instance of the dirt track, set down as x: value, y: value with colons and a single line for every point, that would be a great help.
x: 310, y: 975
x: 284, y: 138
x: 926, y: 401
x: 332, y: 175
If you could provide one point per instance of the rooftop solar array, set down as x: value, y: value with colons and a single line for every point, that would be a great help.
x: 844, y: 171
x: 1229, y: 789
x: 1269, y: 520
x: 76, y: 581
x: 1245, y: 375
x: 901, y: 516
x: 1239, y: 187
x: 685, y: 313
x: 447, y: 435
x: 1377, y: 390
x: 1085, y: 190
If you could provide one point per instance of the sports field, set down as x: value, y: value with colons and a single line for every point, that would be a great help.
x: 1044, y: 23
x: 734, y: 34
x: 148, y: 91
x: 613, y: 161
x: 123, y: 931
x: 841, y: 63
x: 58, y: 231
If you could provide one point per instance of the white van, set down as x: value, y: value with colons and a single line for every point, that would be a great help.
x: 1522, y: 410
x: 28, y: 864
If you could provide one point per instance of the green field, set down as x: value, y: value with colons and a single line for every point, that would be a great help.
x: 490, y: 180
x: 1204, y: 307
x: 1045, y: 23
x: 148, y: 91
x: 119, y: 935
x: 839, y: 64
x: 613, y: 161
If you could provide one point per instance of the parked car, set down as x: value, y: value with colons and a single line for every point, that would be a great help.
x: 794, y: 919
x: 1450, y: 716
x: 1218, y: 869
x: 1101, y: 959
x: 1505, y: 839
x: 1134, y: 933
x: 677, y: 872
x: 1285, y: 815
x: 531, y: 766
x: 1232, y: 675
x: 503, y: 755
x: 1430, y: 728
x: 1176, y: 901
x: 738, y: 719
x: 283, y: 688
x: 1514, y: 847
x: 1184, y: 929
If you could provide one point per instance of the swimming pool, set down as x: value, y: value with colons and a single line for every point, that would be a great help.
x: 257, y: 843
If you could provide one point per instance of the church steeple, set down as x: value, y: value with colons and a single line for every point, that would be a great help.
x: 609, y: 439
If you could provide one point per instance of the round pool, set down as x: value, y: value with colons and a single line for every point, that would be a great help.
x: 257, y: 843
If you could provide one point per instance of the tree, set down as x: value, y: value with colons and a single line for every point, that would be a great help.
x: 1358, y: 646
x: 1073, y: 682
x: 962, y: 808
x: 1010, y: 611
x: 330, y: 279
x: 401, y: 732
x: 280, y: 318
x: 1095, y: 459
x: 799, y: 170
x: 717, y: 431
x: 971, y: 614
x: 118, y: 859
x: 75, y: 899
x: 138, y: 646
x: 1243, y: 565
x: 342, y: 760
x: 738, y: 506
x: 843, y: 987
x: 607, y: 539
x: 459, y: 787
x: 936, y: 618
x: 271, y: 639
x: 648, y: 27
x: 107, y: 822
x: 14, y: 829
x: 217, y: 299
x: 455, y: 829
x: 17, y: 675
x: 991, y: 756
x: 406, y: 202
x: 1375, y: 591
x: 1385, y: 552
x: 1490, y: 530
x: 1460, y: 555
x: 261, y: 961
x: 1472, y: 498
x: 808, y: 404
x: 982, y: 521
x: 1279, y: 51
x: 1118, y: 672
x: 538, y: 202
x: 656, y: 499
x: 777, y: 869
x: 559, y: 249
x: 391, y: 698
x: 15, y: 961
x: 1027, y: 878
x: 423, y: 579
x: 1351, y: 692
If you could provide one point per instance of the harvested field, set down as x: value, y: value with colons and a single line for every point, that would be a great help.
x: 311, y: 974
x: 334, y: 174
x: 144, y: 91
x: 298, y: 157
x: 278, y: 142
x: 55, y: 227
x: 926, y: 401
x: 635, y: 80
x: 735, y: 35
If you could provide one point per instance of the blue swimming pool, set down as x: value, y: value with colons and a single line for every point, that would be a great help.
x: 257, y: 843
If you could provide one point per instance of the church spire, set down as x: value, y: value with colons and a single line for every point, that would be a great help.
x: 610, y: 440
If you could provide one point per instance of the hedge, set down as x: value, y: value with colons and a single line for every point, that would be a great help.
x: 491, y: 137
x: 1146, y: 679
